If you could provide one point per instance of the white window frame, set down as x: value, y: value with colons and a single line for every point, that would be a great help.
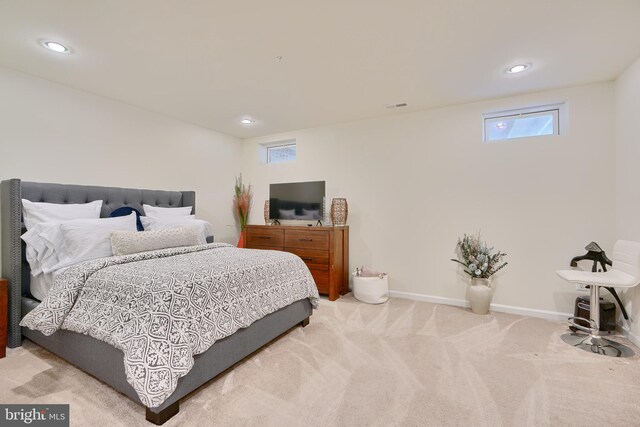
x: 557, y: 110
x: 278, y: 144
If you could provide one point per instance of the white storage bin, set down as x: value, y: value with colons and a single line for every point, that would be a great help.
x: 372, y: 290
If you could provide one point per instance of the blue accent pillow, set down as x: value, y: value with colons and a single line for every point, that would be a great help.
x: 126, y: 210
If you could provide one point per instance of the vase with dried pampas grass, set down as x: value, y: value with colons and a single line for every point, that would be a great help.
x: 242, y: 206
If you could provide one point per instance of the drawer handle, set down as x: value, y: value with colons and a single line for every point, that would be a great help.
x: 305, y: 240
x: 264, y: 237
x: 307, y: 259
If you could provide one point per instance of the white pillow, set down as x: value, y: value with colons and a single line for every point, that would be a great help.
x: 158, y: 212
x: 150, y: 223
x: 85, y: 239
x: 287, y: 213
x: 34, y: 213
x: 204, y: 228
x: 40, y: 252
x: 132, y: 242
x: 311, y: 214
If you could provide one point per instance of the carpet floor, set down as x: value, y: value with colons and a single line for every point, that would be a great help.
x: 404, y: 363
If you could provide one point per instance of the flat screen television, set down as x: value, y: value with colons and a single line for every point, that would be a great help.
x: 297, y: 200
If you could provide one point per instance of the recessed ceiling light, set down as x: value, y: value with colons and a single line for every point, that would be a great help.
x: 55, y: 46
x: 246, y: 121
x: 514, y: 69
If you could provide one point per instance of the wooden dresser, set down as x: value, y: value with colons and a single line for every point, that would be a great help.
x: 325, y: 250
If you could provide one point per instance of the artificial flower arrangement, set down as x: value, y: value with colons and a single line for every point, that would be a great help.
x: 479, y: 260
x: 242, y: 202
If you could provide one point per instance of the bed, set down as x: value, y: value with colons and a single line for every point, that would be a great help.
x: 94, y: 356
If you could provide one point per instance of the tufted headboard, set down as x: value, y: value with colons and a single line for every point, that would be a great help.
x: 14, y: 265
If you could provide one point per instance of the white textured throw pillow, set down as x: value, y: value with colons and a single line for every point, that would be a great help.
x: 36, y: 212
x: 204, y: 228
x: 132, y: 242
x: 158, y: 212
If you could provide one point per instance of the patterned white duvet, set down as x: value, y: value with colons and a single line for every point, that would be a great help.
x: 163, y: 307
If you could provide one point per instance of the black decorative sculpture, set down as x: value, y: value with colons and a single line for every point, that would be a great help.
x: 597, y: 255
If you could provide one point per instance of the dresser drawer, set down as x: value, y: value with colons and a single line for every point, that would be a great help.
x: 321, y: 277
x: 324, y: 250
x: 313, y: 240
x: 312, y: 258
x: 265, y: 238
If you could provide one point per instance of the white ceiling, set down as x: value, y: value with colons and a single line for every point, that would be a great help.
x: 213, y: 62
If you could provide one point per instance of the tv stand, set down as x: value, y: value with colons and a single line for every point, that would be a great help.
x: 275, y: 222
x: 319, y: 223
x: 325, y: 250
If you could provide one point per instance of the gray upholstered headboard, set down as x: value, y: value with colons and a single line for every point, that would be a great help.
x: 14, y: 265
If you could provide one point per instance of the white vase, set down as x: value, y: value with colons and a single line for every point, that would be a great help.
x: 479, y: 294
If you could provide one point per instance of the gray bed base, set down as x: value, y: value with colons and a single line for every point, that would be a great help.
x: 105, y: 362
x: 98, y: 358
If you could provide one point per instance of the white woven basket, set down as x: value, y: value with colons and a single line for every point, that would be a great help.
x: 372, y: 290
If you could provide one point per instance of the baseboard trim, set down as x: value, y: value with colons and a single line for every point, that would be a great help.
x: 631, y: 336
x: 429, y: 298
x: 532, y: 312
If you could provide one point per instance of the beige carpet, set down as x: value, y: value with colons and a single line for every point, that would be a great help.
x: 403, y: 363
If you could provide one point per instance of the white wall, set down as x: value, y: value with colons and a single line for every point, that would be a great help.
x: 52, y: 133
x: 627, y: 125
x: 416, y: 182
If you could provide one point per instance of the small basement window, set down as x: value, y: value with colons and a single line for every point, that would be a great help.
x: 281, y: 152
x: 543, y: 120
